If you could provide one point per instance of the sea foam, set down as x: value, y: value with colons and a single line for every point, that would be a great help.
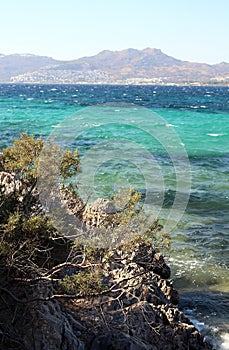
x: 225, y: 342
x: 215, y: 135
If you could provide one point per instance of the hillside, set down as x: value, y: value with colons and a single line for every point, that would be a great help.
x: 13, y: 65
x: 126, y: 66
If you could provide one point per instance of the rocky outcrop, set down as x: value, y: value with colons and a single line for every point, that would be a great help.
x: 134, y: 308
x: 9, y: 183
x: 37, y: 325
x: 52, y: 327
x: 140, y: 311
x: 96, y: 214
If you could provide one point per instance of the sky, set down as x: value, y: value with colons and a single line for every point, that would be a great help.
x: 192, y: 30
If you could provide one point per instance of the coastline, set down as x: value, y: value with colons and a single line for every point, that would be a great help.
x: 119, y: 83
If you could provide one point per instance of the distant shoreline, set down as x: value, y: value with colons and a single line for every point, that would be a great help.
x: 197, y: 84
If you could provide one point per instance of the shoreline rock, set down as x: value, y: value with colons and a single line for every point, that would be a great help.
x: 141, y: 312
x: 136, y: 309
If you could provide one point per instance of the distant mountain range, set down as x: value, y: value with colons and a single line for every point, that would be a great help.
x: 129, y: 66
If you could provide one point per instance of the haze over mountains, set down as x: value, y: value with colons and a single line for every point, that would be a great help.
x: 129, y: 66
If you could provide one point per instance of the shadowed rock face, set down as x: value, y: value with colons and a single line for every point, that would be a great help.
x: 137, y: 311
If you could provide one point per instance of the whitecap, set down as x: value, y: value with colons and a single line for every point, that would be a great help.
x: 169, y: 125
x: 215, y: 135
x: 199, y: 325
x: 225, y: 342
x: 92, y: 124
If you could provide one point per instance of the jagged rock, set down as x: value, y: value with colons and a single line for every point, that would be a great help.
x: 52, y: 328
x: 140, y: 312
x: 9, y: 184
x: 14, y: 192
x: 40, y: 325
x: 171, y: 293
x: 98, y: 213
x: 135, y: 312
x: 95, y: 214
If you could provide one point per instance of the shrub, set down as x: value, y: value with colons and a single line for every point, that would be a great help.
x: 84, y: 283
x: 22, y: 157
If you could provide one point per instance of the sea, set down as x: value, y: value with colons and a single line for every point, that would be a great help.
x: 196, y: 118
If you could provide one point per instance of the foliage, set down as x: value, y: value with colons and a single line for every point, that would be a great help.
x: 23, y: 156
x: 127, y: 203
x: 27, y: 237
x: 84, y: 283
x: 69, y: 163
x: 130, y: 216
x: 23, y: 240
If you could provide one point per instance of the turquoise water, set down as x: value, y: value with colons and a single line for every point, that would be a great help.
x: 199, y: 116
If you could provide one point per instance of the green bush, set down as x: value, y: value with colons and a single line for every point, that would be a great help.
x: 27, y: 237
x: 22, y: 157
x: 84, y: 283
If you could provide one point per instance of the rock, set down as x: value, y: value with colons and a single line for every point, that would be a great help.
x: 41, y: 325
x: 95, y: 214
x: 9, y: 183
x: 140, y: 312
x: 137, y: 312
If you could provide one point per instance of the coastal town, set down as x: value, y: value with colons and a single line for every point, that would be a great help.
x: 52, y: 76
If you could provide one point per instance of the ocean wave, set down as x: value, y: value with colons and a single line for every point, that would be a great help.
x: 225, y: 342
x: 215, y: 135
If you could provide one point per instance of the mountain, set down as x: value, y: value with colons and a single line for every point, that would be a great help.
x: 125, y: 66
x: 130, y: 60
x: 13, y: 65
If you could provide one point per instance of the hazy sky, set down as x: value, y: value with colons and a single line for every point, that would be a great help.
x: 194, y: 30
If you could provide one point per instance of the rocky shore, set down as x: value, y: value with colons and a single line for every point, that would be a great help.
x: 122, y: 299
x: 137, y: 310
